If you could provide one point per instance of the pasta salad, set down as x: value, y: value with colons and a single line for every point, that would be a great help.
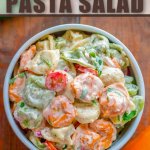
x: 74, y: 92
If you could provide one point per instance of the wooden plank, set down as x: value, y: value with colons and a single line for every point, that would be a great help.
x: 134, y: 33
x: 13, y: 33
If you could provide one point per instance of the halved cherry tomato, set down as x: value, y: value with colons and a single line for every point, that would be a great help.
x: 82, y: 69
x: 50, y: 146
x: 56, y: 81
x: 26, y: 57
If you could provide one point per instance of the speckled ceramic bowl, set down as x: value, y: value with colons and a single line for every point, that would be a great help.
x: 129, y: 128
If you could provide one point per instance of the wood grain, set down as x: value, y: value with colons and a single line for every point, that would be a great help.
x: 132, y: 31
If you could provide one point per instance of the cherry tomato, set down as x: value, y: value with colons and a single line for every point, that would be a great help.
x: 82, y: 69
x: 56, y: 81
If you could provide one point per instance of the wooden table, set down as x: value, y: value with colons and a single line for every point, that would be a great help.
x: 134, y: 32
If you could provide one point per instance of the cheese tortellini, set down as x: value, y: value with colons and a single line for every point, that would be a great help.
x: 87, y: 113
x: 28, y: 117
x: 87, y: 87
x: 114, y: 100
x: 85, y: 138
x: 36, y: 96
x: 111, y: 75
x: 46, y: 43
x: 43, y: 62
x: 61, y: 135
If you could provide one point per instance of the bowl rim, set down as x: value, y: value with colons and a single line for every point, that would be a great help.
x: 136, y: 69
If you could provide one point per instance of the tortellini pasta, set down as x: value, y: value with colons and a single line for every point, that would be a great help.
x: 62, y: 135
x: 44, y: 61
x: 37, y: 80
x: 46, y: 43
x: 60, y: 43
x: 84, y: 136
x: 87, y: 113
x: 111, y: 75
x: 73, y: 36
x: 67, y: 67
x: 43, y: 45
x: 100, y: 43
x: 79, y: 44
x: 114, y: 100
x: 35, y: 95
x: 116, y: 51
x: 28, y: 117
x: 87, y: 87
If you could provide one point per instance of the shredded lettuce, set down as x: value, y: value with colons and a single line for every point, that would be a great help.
x: 139, y: 102
x: 127, y: 117
x: 129, y: 79
x: 98, y: 65
x: 132, y: 89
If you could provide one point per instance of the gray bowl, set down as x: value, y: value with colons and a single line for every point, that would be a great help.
x: 129, y: 129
